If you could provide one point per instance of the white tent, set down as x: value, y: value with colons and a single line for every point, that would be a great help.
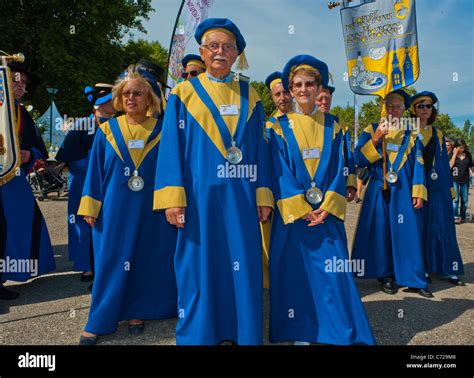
x: 56, y: 125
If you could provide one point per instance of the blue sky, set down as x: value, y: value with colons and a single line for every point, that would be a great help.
x: 445, y: 37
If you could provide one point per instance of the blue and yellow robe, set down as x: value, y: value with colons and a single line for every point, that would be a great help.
x: 389, y: 232
x: 23, y: 231
x: 219, y: 252
x: 440, y: 245
x: 133, y: 246
x: 75, y: 152
x: 308, y: 301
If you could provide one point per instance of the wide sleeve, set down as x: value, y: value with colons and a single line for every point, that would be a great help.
x: 169, y: 181
x: 289, y: 195
x: 264, y: 177
x: 419, y: 176
x: 335, y: 201
x: 349, y: 162
x: 366, y: 153
x: 93, y: 191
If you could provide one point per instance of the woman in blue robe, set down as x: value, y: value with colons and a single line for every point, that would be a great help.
x: 133, y: 246
x: 389, y: 231
x: 439, y: 234
x: 75, y: 152
x: 23, y: 232
x: 313, y: 297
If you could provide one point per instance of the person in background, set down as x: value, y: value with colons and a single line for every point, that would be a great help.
x: 193, y: 65
x: 23, y: 231
x: 284, y: 104
x: 324, y: 101
x: 389, y: 234
x: 75, y: 152
x: 440, y: 245
x: 461, y: 166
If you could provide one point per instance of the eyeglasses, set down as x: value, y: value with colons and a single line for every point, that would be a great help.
x: 226, y: 47
x: 185, y: 75
x: 423, y: 106
x: 308, y: 84
x: 132, y: 93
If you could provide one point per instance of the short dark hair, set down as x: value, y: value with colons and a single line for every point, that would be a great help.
x: 461, y: 142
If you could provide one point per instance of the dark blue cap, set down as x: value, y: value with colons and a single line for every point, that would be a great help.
x: 220, y: 23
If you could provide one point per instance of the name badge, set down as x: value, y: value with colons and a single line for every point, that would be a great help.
x: 310, y: 153
x: 392, y: 147
x: 229, y: 110
x: 135, y: 144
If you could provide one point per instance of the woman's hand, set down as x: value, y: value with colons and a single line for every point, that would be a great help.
x: 90, y: 220
x: 175, y: 216
x: 263, y: 213
x: 319, y: 216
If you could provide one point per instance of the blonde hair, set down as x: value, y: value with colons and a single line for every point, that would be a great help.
x: 308, y: 70
x: 132, y: 74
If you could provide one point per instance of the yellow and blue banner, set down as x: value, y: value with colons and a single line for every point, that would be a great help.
x: 381, y: 44
x: 9, y: 140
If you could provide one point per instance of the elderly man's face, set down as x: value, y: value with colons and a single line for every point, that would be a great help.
x: 323, y: 100
x: 281, y: 98
x: 395, y: 106
x: 19, y: 80
x: 219, y: 53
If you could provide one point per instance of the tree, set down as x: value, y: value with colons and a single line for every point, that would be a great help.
x: 267, y: 101
x: 70, y: 44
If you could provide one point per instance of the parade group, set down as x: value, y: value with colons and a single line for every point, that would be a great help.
x: 190, y: 207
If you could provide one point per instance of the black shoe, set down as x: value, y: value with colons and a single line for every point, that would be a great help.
x: 88, y: 340
x: 455, y: 281
x: 8, y: 295
x: 136, y: 329
x: 423, y: 292
x: 87, y: 278
x: 388, y: 286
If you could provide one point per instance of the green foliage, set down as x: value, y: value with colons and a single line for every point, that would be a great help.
x: 267, y: 101
x: 71, y: 44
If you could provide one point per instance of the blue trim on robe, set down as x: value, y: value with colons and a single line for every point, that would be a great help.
x: 389, y: 235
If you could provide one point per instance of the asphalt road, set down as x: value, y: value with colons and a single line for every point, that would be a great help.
x: 53, y: 309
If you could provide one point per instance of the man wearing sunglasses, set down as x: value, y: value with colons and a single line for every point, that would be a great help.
x: 193, y: 65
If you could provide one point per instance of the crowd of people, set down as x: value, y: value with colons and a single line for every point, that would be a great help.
x: 188, y: 207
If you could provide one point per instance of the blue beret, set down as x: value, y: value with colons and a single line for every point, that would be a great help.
x: 223, y: 23
x: 190, y: 57
x: 424, y: 94
x: 271, y: 77
x: 330, y: 89
x: 309, y: 60
x: 99, y: 94
x: 401, y: 92
x: 147, y: 75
